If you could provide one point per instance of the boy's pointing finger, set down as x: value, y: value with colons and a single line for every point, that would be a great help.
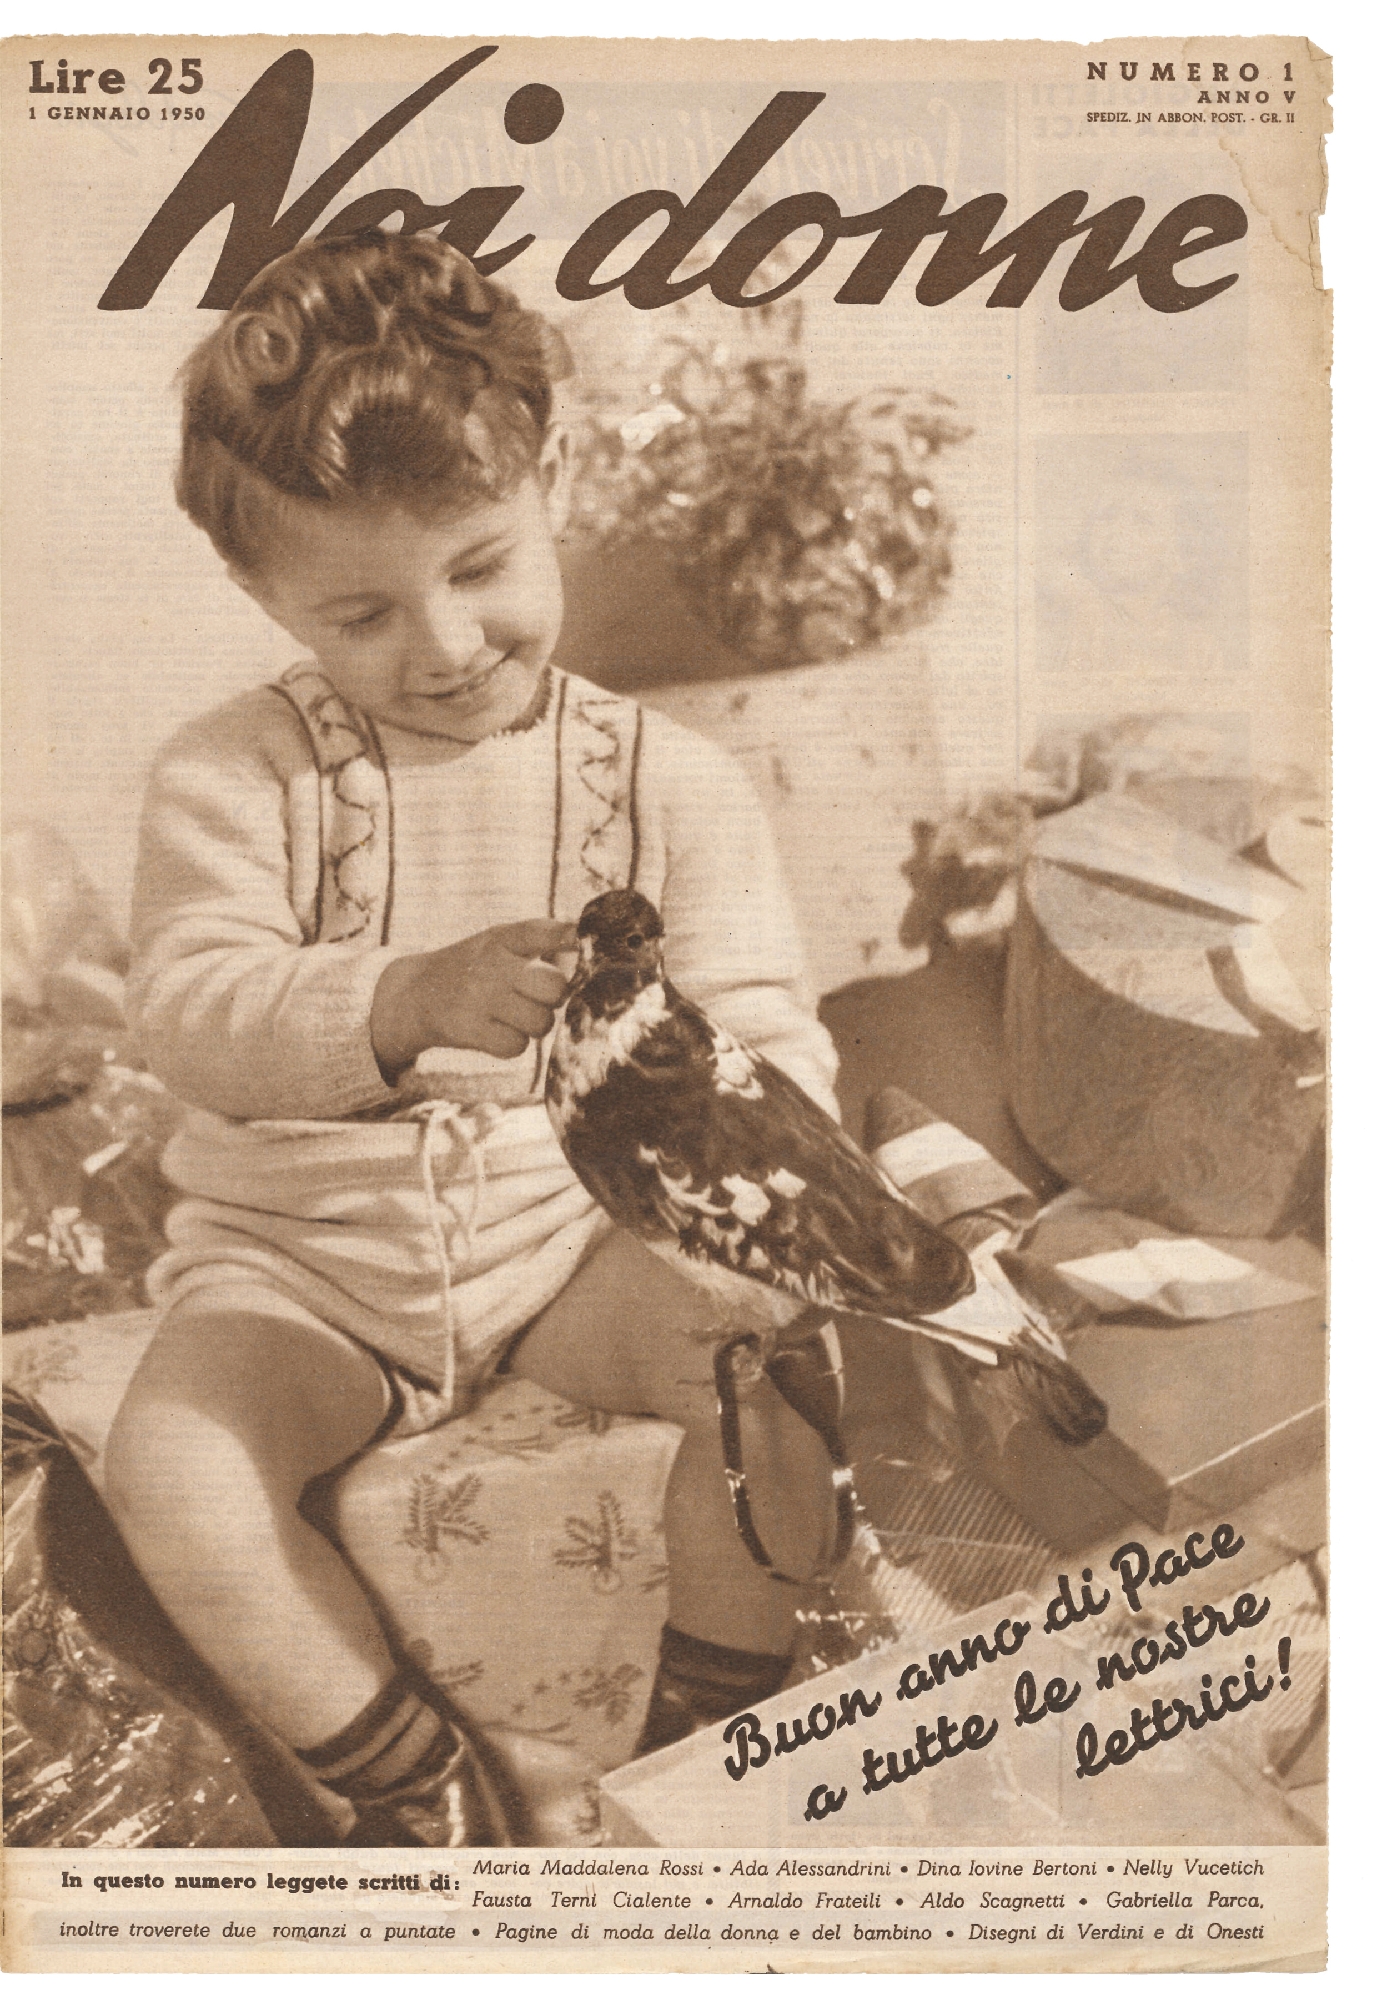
x: 538, y: 937
x: 542, y: 983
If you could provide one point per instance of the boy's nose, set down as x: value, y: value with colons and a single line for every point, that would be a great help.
x: 443, y: 642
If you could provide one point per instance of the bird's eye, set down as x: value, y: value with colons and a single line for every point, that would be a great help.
x: 635, y: 941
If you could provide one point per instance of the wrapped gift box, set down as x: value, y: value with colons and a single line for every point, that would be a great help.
x: 520, y: 1553
x: 1020, y: 1791
x: 685, y: 1795
x: 1160, y: 1052
x: 1202, y: 1415
x: 517, y: 1551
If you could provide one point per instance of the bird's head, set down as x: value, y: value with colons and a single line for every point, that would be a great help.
x: 621, y: 931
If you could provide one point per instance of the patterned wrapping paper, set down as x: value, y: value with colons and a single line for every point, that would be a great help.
x: 520, y: 1552
x: 517, y: 1553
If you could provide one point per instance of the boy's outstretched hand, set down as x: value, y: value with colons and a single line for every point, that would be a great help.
x: 495, y: 992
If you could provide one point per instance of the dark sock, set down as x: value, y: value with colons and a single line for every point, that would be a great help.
x: 415, y: 1776
x: 699, y: 1682
x: 386, y: 1745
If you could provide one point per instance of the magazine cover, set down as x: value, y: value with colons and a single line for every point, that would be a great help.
x: 665, y: 981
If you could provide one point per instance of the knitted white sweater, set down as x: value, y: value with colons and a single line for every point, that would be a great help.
x: 238, y: 1014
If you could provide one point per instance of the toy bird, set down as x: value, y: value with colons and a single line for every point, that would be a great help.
x: 719, y: 1162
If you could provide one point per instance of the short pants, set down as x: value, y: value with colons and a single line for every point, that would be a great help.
x: 432, y: 1239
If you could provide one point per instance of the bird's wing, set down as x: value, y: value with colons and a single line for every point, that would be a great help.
x: 698, y: 1137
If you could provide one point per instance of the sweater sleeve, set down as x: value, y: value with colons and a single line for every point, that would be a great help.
x: 234, y: 1011
x: 732, y: 942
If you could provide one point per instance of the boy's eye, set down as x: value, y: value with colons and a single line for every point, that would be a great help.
x: 362, y: 623
x: 476, y: 572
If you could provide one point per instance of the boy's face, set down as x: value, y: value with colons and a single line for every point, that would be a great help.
x: 435, y: 624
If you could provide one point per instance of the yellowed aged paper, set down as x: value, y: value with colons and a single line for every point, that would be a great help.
x: 949, y: 441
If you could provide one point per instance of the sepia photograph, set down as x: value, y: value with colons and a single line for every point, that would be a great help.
x: 666, y: 891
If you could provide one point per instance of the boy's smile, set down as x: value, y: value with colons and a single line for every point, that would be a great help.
x: 434, y: 623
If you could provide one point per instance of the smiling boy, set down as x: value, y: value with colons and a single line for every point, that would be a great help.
x: 353, y: 889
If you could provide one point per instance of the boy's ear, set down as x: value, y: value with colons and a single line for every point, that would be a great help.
x: 555, y: 472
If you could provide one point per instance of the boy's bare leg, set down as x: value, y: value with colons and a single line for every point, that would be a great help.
x: 229, y: 1416
x: 629, y: 1335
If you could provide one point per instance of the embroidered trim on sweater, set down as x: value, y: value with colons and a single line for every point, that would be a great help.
x: 354, y: 881
x: 597, y: 839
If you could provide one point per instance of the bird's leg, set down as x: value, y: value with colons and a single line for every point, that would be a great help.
x: 728, y: 1642
x: 748, y: 1510
x: 743, y: 1355
x: 804, y: 1364
x: 632, y: 1333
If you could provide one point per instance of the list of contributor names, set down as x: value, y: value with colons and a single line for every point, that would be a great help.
x: 1138, y: 1909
